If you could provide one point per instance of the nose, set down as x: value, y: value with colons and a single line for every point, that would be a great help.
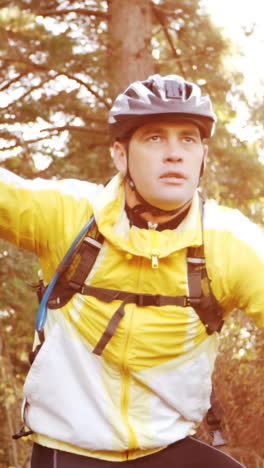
x: 173, y: 151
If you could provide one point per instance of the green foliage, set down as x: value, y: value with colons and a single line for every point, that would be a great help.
x: 239, y: 385
x: 18, y: 307
x: 239, y: 380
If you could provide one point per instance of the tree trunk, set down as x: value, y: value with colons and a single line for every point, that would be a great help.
x: 130, y: 56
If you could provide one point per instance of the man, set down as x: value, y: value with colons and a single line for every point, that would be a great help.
x: 128, y: 379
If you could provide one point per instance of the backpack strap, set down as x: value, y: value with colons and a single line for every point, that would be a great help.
x: 75, y: 271
x: 201, y: 294
x: 207, y: 307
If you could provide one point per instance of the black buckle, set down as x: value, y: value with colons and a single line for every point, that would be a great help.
x: 144, y: 300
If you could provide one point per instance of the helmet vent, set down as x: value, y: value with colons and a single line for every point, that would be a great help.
x: 173, y: 90
x: 132, y: 93
x: 188, y: 90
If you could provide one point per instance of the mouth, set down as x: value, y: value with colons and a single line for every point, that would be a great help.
x: 173, y: 176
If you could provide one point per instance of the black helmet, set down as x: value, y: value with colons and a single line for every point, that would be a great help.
x: 170, y: 97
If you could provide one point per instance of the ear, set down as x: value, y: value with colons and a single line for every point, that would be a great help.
x: 205, y: 154
x: 204, y: 160
x: 120, y: 157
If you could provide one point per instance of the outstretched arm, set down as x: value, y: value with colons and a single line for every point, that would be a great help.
x: 238, y: 266
x: 38, y: 214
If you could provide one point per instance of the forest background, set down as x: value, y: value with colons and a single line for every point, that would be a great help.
x: 62, y: 64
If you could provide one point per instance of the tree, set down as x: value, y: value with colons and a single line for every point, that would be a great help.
x: 130, y: 59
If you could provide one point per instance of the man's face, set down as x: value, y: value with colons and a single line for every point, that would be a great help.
x: 165, y: 160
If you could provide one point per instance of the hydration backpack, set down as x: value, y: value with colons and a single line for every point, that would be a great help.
x: 73, y: 272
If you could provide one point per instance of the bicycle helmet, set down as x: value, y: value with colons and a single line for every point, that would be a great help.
x: 169, y: 97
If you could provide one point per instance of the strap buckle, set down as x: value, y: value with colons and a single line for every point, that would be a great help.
x: 186, y: 301
x: 189, y: 301
x: 144, y: 300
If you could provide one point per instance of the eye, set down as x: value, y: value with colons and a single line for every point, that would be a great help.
x: 155, y: 138
x: 189, y: 139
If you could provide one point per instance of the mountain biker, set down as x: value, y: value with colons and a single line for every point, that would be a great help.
x: 139, y: 396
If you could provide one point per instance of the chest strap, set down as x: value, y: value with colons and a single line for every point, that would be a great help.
x: 141, y: 300
x: 200, y: 297
x: 205, y: 305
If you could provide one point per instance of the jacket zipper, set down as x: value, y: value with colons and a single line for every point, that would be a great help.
x: 154, y: 242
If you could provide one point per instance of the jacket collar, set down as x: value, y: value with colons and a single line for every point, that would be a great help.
x: 113, y: 223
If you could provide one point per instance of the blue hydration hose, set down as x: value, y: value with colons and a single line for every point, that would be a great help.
x: 42, y: 310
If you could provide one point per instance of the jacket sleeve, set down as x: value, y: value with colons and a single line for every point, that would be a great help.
x: 238, y: 267
x: 248, y: 288
x: 36, y: 214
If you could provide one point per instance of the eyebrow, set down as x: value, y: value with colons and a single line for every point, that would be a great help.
x: 184, y: 132
x: 152, y: 130
x: 191, y: 131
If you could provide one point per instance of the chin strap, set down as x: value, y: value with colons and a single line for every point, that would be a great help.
x: 145, y: 206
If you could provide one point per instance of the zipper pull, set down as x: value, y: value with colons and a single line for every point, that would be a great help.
x: 154, y: 241
x: 154, y: 259
x: 152, y: 226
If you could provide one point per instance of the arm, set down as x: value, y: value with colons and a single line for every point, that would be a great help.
x: 237, y: 262
x: 37, y: 214
x: 248, y: 271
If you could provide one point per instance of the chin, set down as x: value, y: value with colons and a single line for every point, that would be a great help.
x: 170, y: 206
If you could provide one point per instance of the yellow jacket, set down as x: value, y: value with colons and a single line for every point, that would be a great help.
x: 152, y: 384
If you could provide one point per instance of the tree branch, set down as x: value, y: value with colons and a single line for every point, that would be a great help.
x: 77, y: 128
x: 159, y: 15
x: 82, y: 11
x: 29, y: 91
x: 58, y: 72
x: 87, y: 86
x: 22, y: 144
x: 14, y: 80
x: 27, y: 62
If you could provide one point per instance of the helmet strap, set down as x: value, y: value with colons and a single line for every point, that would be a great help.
x: 145, y: 207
